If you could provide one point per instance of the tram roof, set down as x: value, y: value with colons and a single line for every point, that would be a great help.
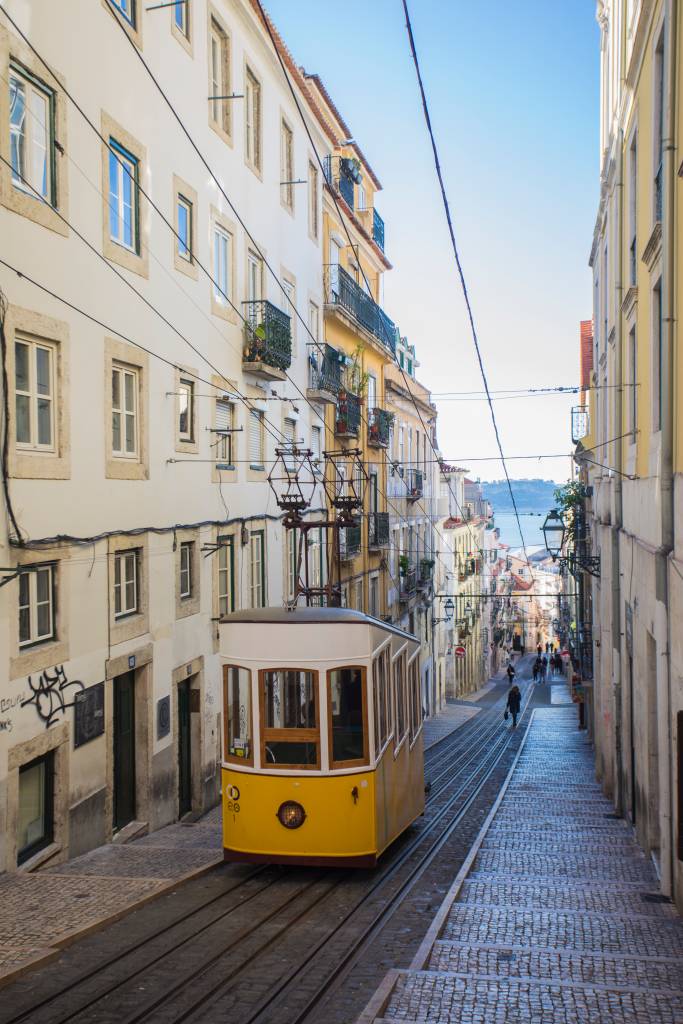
x: 309, y: 616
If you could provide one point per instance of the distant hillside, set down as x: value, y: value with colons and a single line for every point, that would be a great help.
x: 530, y: 495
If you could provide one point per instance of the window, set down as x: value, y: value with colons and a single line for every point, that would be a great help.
x: 184, y: 228
x: 181, y: 17
x: 31, y: 119
x: 125, y: 583
x: 186, y: 410
x: 289, y: 289
x: 372, y: 392
x: 254, y: 277
x: 657, y: 356
x: 36, y: 605
x: 289, y: 432
x: 381, y: 690
x: 225, y: 418
x: 316, y: 561
x: 286, y: 165
x: 219, y: 86
x: 222, y: 265
x: 123, y: 197
x: 316, y: 446
x: 400, y: 697
x: 633, y: 211
x: 374, y: 596
x: 659, y: 128
x: 127, y: 8
x: 237, y: 714
x: 347, y: 717
x: 414, y: 699
x: 226, y: 575
x: 253, y: 120
x: 291, y: 555
x: 633, y: 381
x: 256, y: 454
x: 34, y: 385
x: 257, y: 570
x: 290, y: 718
x: 362, y: 201
x: 358, y: 595
x: 314, y: 320
x: 35, y: 827
x: 186, y: 559
x: 312, y: 200
x: 124, y: 392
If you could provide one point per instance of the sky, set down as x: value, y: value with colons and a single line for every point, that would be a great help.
x: 512, y: 87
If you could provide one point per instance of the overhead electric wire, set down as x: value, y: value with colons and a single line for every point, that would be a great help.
x: 437, y: 164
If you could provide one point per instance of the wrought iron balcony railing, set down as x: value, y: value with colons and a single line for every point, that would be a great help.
x: 378, y: 530
x: 342, y: 174
x: 342, y: 290
x: 379, y: 428
x: 325, y: 370
x: 580, y: 422
x: 268, y: 335
x: 377, y: 229
x: 347, y: 423
x: 349, y: 542
x: 414, y: 482
x: 426, y: 571
x: 408, y: 582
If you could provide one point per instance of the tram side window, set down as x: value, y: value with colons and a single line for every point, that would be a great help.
x: 382, y: 690
x: 414, y: 698
x: 400, y: 690
x: 237, y: 713
x: 290, y: 718
x: 347, y: 713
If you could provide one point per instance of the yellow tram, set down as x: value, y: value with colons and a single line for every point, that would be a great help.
x: 323, y: 759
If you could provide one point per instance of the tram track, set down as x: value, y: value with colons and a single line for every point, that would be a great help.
x: 451, y: 757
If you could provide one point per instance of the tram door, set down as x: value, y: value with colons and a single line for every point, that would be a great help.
x: 124, y: 749
x: 184, y: 749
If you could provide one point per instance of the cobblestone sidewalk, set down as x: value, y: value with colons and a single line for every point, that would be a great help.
x: 559, y: 922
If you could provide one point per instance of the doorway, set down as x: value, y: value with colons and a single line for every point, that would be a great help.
x: 124, y: 749
x: 184, y: 749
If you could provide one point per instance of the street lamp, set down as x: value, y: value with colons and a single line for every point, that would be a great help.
x: 448, y: 608
x: 554, y: 530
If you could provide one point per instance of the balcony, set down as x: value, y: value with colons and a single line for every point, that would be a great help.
x: 324, y: 375
x: 378, y: 530
x: 426, y: 572
x: 414, y: 480
x: 349, y: 543
x: 347, y: 421
x: 379, y: 428
x: 341, y: 174
x: 268, y: 341
x: 408, y: 582
x: 377, y: 229
x: 580, y: 422
x: 342, y: 291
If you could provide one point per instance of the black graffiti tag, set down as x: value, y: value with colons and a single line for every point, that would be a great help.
x: 48, y: 694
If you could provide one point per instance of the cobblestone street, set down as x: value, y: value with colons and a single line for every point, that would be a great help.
x: 559, y: 921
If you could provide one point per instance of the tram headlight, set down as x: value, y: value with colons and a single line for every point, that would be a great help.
x: 291, y: 814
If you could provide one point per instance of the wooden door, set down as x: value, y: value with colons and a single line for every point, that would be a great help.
x: 124, y: 749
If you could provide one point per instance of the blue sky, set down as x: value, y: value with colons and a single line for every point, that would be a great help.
x: 513, y: 92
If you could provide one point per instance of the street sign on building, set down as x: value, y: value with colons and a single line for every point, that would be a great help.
x: 460, y: 652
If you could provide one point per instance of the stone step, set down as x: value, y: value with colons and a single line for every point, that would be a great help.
x: 538, y: 896
x: 567, y: 865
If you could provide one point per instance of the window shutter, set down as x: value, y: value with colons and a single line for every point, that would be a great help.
x: 316, y: 443
x: 256, y: 438
x: 223, y: 415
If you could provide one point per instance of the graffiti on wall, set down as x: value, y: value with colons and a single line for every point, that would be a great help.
x: 5, y: 724
x: 50, y: 694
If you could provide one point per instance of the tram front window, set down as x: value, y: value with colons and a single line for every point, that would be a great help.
x: 290, y: 713
x: 237, y: 713
x: 347, y: 716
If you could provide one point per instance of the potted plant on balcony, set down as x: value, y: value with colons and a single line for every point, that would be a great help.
x: 403, y: 564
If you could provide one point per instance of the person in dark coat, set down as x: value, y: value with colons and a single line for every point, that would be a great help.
x: 510, y: 672
x: 536, y: 669
x: 514, y: 703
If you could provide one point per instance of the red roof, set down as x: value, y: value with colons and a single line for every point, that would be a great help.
x: 586, y: 354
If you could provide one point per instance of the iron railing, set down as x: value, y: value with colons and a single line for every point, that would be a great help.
x: 340, y: 174
x: 379, y: 428
x: 426, y: 571
x: 377, y: 229
x: 349, y: 542
x: 342, y: 290
x: 659, y: 182
x: 378, y: 530
x: 268, y: 335
x: 580, y: 423
x: 414, y: 480
x: 408, y: 582
x: 324, y: 370
x: 347, y: 422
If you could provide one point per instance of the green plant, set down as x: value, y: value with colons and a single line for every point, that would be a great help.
x: 568, y: 498
x: 403, y: 564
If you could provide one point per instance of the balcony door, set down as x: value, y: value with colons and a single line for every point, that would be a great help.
x: 335, y: 258
x: 254, y: 277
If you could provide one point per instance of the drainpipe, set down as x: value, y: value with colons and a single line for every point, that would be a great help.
x: 667, y: 411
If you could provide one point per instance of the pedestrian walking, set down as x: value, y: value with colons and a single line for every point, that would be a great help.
x: 544, y: 668
x: 539, y: 650
x: 514, y: 703
x: 559, y: 667
x: 511, y: 672
x: 536, y: 669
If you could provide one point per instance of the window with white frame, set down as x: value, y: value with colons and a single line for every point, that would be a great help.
x: 126, y: 583
x: 31, y: 132
x: 219, y: 66
x: 257, y: 570
x: 181, y: 17
x: 314, y: 320
x: 289, y: 304
x: 658, y: 124
x: 286, y: 165
x: 34, y: 386
x: 289, y: 431
x: 291, y: 563
x: 124, y: 171
x: 254, y: 277
x: 36, y: 604
x: 222, y: 265
x: 186, y: 558
x: 633, y: 210
x: 184, y: 228
x: 358, y: 595
x: 256, y: 439
x: 127, y: 9
x: 313, y: 215
x: 317, y: 447
x: 657, y: 356
x: 362, y: 200
x: 253, y: 119
x: 225, y: 421
x: 633, y: 381
x: 124, y: 411
x: 186, y: 410
x: 374, y: 596
x: 226, y: 565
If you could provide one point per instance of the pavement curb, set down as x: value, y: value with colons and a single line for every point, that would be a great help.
x: 52, y: 951
x: 380, y: 998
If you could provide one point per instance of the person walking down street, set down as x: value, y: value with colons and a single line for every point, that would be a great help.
x: 514, y: 703
x: 539, y: 650
x: 510, y: 672
x: 559, y: 668
x: 535, y: 670
x: 544, y: 668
